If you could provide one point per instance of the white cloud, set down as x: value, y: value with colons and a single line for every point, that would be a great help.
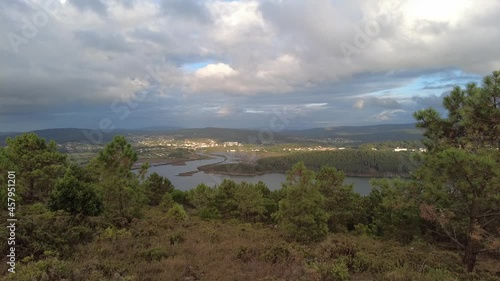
x: 219, y: 70
x: 387, y: 114
x: 262, y: 49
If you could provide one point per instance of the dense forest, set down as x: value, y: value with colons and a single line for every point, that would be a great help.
x: 351, y: 162
x: 103, y: 222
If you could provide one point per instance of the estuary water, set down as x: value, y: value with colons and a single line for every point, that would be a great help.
x: 272, y: 180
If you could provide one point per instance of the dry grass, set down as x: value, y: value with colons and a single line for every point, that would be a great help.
x: 156, y: 248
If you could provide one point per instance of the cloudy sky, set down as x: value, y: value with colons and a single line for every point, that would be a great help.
x: 317, y: 63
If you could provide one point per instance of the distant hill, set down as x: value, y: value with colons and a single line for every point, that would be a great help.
x: 372, y: 133
x: 159, y: 129
x: 67, y: 135
x: 77, y: 135
x: 375, y: 133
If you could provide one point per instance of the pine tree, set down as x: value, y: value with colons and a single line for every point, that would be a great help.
x: 301, y: 214
x: 37, y: 163
x: 460, y: 175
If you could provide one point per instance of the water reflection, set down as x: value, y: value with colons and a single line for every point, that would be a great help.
x: 272, y: 180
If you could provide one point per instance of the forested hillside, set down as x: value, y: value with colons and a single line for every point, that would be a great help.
x: 352, y: 162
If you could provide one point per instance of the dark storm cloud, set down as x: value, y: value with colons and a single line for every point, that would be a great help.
x: 235, y: 63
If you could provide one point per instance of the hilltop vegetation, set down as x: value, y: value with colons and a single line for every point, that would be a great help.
x: 351, y: 162
x: 103, y: 222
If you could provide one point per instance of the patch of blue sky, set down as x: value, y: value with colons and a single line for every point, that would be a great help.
x: 438, y: 82
x: 192, y: 67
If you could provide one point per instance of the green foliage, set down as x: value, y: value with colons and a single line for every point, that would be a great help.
x: 167, y: 202
x: 232, y: 200
x: 156, y: 187
x: 179, y: 196
x: 143, y: 170
x: 301, y: 214
x: 112, y: 233
x: 154, y: 254
x: 202, y: 196
x: 37, y: 164
x: 250, y: 201
x: 223, y: 250
x: 5, y: 166
x: 338, y: 271
x: 122, y: 194
x: 352, y: 162
x: 123, y: 199
x: 209, y: 213
x: 342, y: 204
x: 392, y: 210
x: 41, y: 231
x: 177, y: 213
x: 75, y: 195
x: 118, y: 156
x: 225, y: 198
x: 44, y: 270
x: 459, y: 178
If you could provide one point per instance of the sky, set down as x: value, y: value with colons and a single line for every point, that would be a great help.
x: 105, y: 64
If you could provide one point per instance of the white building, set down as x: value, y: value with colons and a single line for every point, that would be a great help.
x: 231, y: 143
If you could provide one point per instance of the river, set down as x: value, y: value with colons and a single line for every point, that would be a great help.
x: 272, y: 180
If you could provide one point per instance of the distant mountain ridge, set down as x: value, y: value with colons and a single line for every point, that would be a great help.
x: 64, y: 135
x: 372, y: 133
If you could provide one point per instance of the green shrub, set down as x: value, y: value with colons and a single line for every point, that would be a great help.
x: 179, y: 196
x: 301, y: 214
x: 112, y: 233
x: 209, y: 214
x: 177, y: 213
x: 166, y: 202
x: 50, y: 231
x: 156, y: 254
x: 360, y: 263
x: 156, y: 187
x: 339, y: 270
x: 44, y: 270
x: 75, y: 197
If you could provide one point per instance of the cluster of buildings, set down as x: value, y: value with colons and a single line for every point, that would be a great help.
x: 77, y: 147
x: 317, y: 148
x: 397, y: 149
x: 192, y: 144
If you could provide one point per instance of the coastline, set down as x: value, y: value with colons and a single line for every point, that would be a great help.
x: 154, y: 162
x: 235, y: 169
x: 237, y: 172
